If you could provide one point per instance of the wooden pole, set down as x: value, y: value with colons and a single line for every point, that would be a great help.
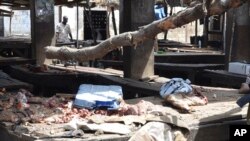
x: 77, y: 23
x: 1, y: 26
x: 10, y: 24
x: 241, y: 48
x: 113, y: 20
x: 196, y: 32
x: 60, y: 14
x: 41, y: 36
x: 89, y: 18
x: 232, y: 40
x: 139, y: 61
x: 205, y: 32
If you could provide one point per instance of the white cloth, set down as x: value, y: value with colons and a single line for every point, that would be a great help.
x: 63, y: 32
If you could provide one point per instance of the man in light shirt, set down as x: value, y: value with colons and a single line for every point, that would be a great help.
x: 63, y: 31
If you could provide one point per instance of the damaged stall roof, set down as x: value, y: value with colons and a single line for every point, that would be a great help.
x: 26, y: 3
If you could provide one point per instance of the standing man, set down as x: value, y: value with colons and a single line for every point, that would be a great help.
x: 62, y: 31
x: 159, y: 9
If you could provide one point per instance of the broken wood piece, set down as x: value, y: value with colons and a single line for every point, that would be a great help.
x: 127, y: 120
x: 117, y: 128
x: 70, y: 96
x: 168, y: 119
x: 8, y: 116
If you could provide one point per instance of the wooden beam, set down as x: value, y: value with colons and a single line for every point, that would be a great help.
x: 5, y: 15
x: 6, y: 11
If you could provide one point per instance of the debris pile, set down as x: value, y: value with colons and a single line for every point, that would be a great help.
x: 22, y: 108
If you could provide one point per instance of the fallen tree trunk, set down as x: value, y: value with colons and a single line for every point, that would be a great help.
x: 199, y: 10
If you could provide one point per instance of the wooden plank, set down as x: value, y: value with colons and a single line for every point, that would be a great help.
x: 15, y: 39
x: 86, y: 70
x: 131, y: 87
x: 224, y: 78
x: 6, y: 61
x: 195, y: 50
x: 170, y: 43
x: 190, y: 58
x: 169, y: 66
x: 16, y: 45
x: 5, y: 11
x: 110, y: 63
x: 187, y: 67
x: 49, y: 83
x: 9, y: 83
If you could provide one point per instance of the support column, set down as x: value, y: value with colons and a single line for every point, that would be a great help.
x: 205, y: 32
x: 42, y: 28
x: 241, y: 48
x: 237, y: 44
x: 1, y: 26
x: 138, y: 61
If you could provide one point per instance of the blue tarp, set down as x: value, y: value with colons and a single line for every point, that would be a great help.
x: 98, y: 96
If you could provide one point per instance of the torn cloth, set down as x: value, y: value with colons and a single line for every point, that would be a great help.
x: 176, y: 85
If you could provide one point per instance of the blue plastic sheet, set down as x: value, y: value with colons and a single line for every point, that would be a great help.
x: 98, y: 96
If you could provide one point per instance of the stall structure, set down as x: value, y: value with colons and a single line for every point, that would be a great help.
x: 49, y: 114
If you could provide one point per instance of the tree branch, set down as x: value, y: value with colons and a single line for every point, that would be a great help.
x: 149, y: 31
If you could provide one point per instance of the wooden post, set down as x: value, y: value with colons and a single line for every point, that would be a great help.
x: 42, y: 28
x: 138, y: 60
x: 241, y: 48
x: 228, y: 34
x: 60, y: 14
x: 224, y: 33
x: 237, y: 35
x: 113, y: 20
x: 196, y: 33
x: 1, y: 27
x: 205, y: 32
x: 77, y: 23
